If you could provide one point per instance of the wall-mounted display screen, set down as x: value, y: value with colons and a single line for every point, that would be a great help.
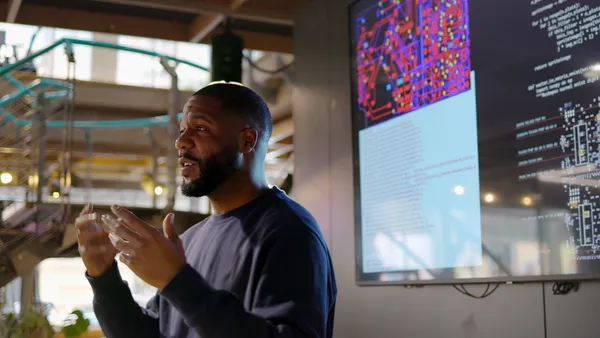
x: 476, y: 128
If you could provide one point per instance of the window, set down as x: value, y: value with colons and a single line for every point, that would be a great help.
x: 52, y: 64
x: 83, y: 55
x: 131, y: 68
x: 191, y: 78
x: 140, y: 70
x: 134, y: 69
x: 63, y: 285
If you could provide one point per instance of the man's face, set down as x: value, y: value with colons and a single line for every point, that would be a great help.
x: 207, y: 145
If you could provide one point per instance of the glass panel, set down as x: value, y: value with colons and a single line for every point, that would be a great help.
x: 62, y: 284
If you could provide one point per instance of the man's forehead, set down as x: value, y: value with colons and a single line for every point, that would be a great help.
x: 200, y: 108
x: 202, y: 102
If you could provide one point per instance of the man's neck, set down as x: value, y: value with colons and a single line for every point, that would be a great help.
x: 236, y: 192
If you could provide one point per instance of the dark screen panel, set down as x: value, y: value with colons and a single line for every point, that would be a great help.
x: 476, y: 140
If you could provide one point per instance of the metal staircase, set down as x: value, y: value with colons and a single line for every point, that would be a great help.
x: 30, y: 229
x: 32, y: 109
x: 34, y: 238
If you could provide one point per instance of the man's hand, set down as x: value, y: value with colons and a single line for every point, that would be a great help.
x: 152, y: 256
x: 94, y: 246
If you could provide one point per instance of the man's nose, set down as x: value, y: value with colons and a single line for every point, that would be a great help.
x: 183, y: 141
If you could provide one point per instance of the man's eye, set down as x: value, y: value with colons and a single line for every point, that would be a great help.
x: 200, y: 128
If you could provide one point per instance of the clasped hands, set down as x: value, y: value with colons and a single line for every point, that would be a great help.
x: 153, y: 256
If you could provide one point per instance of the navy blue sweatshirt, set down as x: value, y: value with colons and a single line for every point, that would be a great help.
x: 262, y: 270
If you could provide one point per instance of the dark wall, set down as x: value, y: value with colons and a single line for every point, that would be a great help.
x: 323, y: 183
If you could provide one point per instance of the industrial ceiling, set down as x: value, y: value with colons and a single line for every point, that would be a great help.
x: 264, y: 24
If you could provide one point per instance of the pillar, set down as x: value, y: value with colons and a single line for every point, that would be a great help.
x: 104, y: 60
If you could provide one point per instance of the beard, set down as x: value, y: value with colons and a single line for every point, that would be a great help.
x: 213, y: 172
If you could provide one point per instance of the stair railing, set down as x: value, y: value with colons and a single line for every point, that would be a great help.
x: 29, y: 109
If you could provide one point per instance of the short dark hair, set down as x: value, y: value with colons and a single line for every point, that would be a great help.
x: 244, y: 102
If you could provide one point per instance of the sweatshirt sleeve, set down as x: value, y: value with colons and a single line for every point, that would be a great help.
x: 291, y: 297
x: 116, y: 310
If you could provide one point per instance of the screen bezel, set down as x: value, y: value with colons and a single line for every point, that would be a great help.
x: 373, y: 279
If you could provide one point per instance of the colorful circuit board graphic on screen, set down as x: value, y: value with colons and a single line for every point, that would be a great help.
x: 410, y: 54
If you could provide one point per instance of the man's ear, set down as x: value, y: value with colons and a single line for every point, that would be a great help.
x: 248, y: 140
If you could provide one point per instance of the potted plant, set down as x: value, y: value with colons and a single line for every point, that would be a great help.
x: 76, y: 325
x: 33, y: 324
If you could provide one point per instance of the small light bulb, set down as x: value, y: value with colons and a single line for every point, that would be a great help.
x: 6, y: 178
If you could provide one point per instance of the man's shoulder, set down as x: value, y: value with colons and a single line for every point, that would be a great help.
x: 283, y: 206
x: 287, y: 220
x: 284, y: 212
x: 294, y: 228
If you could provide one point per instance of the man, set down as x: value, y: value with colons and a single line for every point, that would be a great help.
x: 258, y: 267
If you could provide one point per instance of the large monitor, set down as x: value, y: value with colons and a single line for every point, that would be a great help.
x: 476, y: 129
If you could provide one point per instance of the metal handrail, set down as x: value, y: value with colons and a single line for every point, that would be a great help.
x: 25, y: 89
x: 112, y: 124
x: 70, y: 42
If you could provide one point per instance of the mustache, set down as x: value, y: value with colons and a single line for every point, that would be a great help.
x: 190, y: 157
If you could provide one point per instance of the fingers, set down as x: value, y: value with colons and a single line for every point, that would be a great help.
x: 125, y: 240
x: 169, y: 229
x: 88, y: 209
x: 87, y: 222
x: 133, y: 222
x: 90, y: 237
x: 126, y: 259
x: 87, y: 228
x: 132, y: 238
x: 121, y: 245
x: 93, y: 243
